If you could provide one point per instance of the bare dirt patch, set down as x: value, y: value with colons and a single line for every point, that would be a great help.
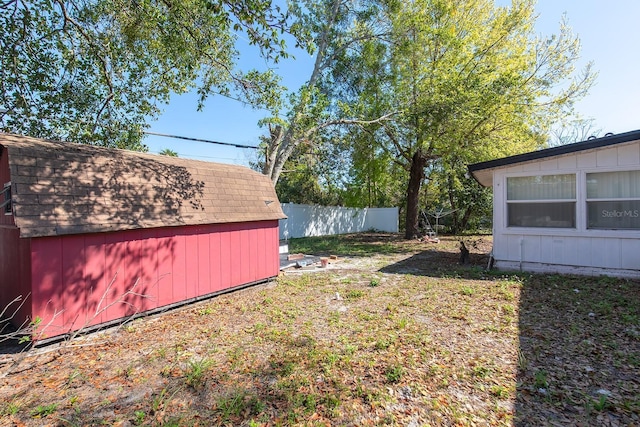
x: 395, y: 333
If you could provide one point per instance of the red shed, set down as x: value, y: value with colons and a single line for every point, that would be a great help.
x: 91, y: 235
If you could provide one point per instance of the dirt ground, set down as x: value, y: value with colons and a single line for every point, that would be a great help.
x: 393, y: 332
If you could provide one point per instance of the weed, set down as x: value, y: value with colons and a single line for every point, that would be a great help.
x: 540, y: 379
x: 237, y: 403
x: 139, y: 417
x: 508, y: 309
x: 374, y: 282
x: 42, y: 411
x: 522, y: 361
x: 195, y: 371
x: 385, y: 342
x: 160, y: 400
x: 393, y: 373
x: 283, y: 368
x: 11, y: 408
x: 350, y: 349
x: 633, y: 359
x: 331, y: 401
x: 481, y: 371
x: 364, y: 316
x: 601, y: 404
x: 630, y: 319
x: 76, y: 375
x: 402, y: 323
x: 309, y: 403
x: 205, y: 311
x: 354, y: 294
x: 467, y: 291
x: 499, y: 391
x: 604, y: 308
x: 334, y: 318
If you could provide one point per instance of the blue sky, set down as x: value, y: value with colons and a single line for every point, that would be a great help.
x: 609, y: 33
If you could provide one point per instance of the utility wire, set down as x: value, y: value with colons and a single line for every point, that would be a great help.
x: 200, y: 140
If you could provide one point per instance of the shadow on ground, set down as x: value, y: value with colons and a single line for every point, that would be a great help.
x: 579, y: 340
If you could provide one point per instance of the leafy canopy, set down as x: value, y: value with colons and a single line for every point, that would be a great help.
x: 95, y: 71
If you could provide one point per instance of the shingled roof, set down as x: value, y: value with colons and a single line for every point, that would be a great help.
x: 65, y: 188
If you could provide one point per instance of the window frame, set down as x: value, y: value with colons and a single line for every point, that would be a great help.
x: 7, y: 203
x: 574, y: 200
x: 588, y: 199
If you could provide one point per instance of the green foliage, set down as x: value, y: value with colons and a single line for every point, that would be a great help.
x: 195, y: 372
x: 139, y: 417
x: 393, y: 373
x: 96, y: 71
x: 168, y: 152
x: 470, y: 81
x: 43, y: 411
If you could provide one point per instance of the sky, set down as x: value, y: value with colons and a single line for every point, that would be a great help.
x: 609, y: 35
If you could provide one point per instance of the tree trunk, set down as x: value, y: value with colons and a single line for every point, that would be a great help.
x: 464, y: 222
x: 416, y: 175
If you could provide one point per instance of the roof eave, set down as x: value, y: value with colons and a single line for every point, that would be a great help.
x: 606, y: 141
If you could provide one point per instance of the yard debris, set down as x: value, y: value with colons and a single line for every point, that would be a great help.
x: 432, y: 343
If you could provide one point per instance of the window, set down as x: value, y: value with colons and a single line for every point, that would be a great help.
x: 542, y: 201
x: 613, y: 200
x: 6, y: 200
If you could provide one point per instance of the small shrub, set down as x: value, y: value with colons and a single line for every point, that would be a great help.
x: 393, y: 373
x: 467, y: 291
x: 139, y: 417
x: 44, y: 410
x: 354, y: 294
x: 540, y: 379
x: 194, y: 374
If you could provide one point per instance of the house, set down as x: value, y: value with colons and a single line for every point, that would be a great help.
x: 91, y: 236
x: 568, y: 209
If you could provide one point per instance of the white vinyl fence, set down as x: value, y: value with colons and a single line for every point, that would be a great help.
x: 308, y: 220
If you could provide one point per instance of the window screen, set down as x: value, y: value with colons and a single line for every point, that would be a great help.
x: 613, y: 200
x: 542, y: 201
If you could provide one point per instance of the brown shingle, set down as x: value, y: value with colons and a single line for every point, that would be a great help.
x: 65, y: 188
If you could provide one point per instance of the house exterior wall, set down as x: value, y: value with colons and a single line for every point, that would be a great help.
x: 579, y: 250
x: 87, y: 279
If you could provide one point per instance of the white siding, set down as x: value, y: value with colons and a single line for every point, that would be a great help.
x: 579, y: 250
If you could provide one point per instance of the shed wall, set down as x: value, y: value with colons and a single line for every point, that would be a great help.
x: 579, y: 250
x: 88, y: 279
x: 15, y: 275
x: 14, y: 258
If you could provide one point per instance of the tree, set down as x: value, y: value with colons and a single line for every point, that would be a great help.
x: 575, y: 130
x: 334, y: 26
x: 473, y: 82
x: 94, y: 71
x: 168, y: 152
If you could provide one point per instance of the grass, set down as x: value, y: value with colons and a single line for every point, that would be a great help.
x: 366, y: 244
x: 430, y: 343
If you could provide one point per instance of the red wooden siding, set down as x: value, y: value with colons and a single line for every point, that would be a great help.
x: 88, y: 279
x: 15, y: 274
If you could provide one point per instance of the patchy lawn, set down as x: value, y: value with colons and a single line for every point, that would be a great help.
x: 394, y: 333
